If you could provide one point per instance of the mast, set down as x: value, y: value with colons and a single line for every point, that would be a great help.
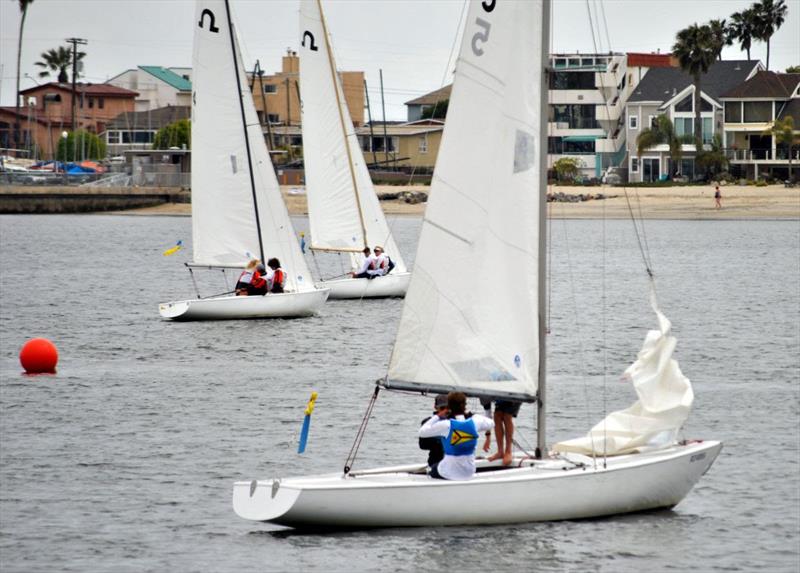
x: 541, y: 447
x: 244, y: 127
x: 341, y: 121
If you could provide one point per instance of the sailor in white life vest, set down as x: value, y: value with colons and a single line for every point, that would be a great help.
x: 379, y: 264
x: 245, y: 281
x: 366, y: 265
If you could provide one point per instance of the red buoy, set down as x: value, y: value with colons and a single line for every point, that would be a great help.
x: 39, y: 356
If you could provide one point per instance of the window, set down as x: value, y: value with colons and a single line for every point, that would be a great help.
x: 572, y: 81
x: 652, y: 122
x: 101, y: 102
x: 423, y: 144
x: 633, y: 122
x: 574, y: 62
x: 687, y: 168
x: 137, y: 137
x: 684, y: 126
x: 270, y: 88
x: 733, y: 111
x: 113, y: 137
x: 708, y: 130
x: 377, y: 143
x: 577, y: 116
x: 757, y: 111
x: 560, y: 63
x: 634, y: 165
x: 685, y: 104
x: 554, y: 145
x: 578, y: 147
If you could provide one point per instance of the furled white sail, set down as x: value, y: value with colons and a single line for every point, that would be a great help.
x: 228, y: 207
x: 654, y: 420
x: 344, y: 211
x: 470, y: 320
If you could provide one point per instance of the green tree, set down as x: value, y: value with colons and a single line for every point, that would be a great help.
x: 662, y: 131
x: 696, y: 51
x: 176, y: 134
x: 712, y: 161
x: 23, y: 6
x: 744, y: 28
x: 784, y: 134
x: 770, y: 16
x: 567, y: 168
x: 80, y: 144
x: 793, y: 70
x: 58, y: 60
x: 720, y: 36
x: 438, y: 111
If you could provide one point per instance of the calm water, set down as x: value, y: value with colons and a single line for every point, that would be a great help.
x: 124, y: 460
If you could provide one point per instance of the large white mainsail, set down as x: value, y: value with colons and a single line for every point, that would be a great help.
x: 344, y: 211
x: 470, y: 320
x: 237, y: 208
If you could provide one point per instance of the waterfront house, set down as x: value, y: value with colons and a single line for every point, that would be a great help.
x: 750, y: 109
x: 136, y: 130
x: 670, y: 92
x: 157, y: 86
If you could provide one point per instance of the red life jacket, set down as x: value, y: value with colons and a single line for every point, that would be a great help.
x: 279, y: 277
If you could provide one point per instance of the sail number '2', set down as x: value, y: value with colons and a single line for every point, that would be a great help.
x: 482, y: 35
x: 211, y: 20
x: 311, y: 45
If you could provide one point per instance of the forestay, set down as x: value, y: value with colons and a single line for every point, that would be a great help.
x: 470, y: 320
x: 344, y: 211
x: 228, y: 206
x: 653, y: 421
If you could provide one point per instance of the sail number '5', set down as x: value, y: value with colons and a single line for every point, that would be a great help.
x: 482, y: 35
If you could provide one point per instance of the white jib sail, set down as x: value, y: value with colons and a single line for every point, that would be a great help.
x: 470, y: 319
x: 342, y: 203
x: 226, y: 212
x: 653, y: 421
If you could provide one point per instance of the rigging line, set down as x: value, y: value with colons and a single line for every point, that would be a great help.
x: 604, y: 306
x: 636, y: 231
x: 605, y: 24
x: 351, y: 457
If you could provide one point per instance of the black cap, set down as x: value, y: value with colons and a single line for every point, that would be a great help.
x: 440, y: 401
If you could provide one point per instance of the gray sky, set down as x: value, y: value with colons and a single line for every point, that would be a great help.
x: 411, y: 40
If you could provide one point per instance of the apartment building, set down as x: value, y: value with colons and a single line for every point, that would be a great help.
x: 750, y: 110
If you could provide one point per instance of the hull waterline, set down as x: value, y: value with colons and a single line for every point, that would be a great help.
x: 391, y: 285
x: 546, y: 490
x: 283, y: 305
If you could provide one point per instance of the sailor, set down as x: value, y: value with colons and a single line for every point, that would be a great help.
x: 380, y: 263
x: 366, y: 265
x: 246, y: 278
x: 276, y: 276
x: 460, y: 438
x: 434, y: 445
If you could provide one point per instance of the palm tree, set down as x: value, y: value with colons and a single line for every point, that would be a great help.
x: 662, y: 131
x: 23, y: 6
x: 743, y: 27
x: 770, y: 16
x: 58, y: 60
x: 695, y: 51
x: 783, y: 132
x: 721, y: 35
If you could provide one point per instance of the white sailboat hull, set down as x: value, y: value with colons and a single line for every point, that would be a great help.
x: 543, y: 490
x: 391, y: 285
x: 283, y: 305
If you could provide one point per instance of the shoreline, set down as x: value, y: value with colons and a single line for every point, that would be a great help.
x: 773, y: 202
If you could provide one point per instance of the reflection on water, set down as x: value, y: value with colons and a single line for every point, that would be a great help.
x: 125, y: 459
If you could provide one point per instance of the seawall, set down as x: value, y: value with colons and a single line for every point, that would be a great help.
x: 19, y: 199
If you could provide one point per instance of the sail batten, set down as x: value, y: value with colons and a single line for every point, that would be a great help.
x: 471, y: 315
x: 344, y: 212
x: 235, y: 194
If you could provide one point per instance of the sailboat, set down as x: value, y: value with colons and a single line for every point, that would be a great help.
x: 344, y: 213
x: 487, y: 211
x: 238, y: 212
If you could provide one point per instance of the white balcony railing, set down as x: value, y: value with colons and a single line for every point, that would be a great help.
x: 759, y: 155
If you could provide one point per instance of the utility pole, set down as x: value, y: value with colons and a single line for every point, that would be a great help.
x: 371, y: 133
x: 75, y: 42
x: 383, y: 107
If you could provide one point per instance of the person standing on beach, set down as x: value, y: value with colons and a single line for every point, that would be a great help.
x: 718, y: 197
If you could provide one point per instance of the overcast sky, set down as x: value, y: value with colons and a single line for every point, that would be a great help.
x: 411, y: 40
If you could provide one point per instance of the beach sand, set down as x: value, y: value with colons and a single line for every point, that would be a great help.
x: 696, y: 202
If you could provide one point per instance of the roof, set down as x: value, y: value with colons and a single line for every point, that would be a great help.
x: 153, y: 119
x: 106, y: 90
x: 168, y: 76
x: 433, y: 97
x: 636, y: 59
x: 765, y: 84
x: 661, y: 84
x: 23, y: 117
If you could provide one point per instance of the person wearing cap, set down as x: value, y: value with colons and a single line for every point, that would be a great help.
x: 434, y: 445
x: 366, y: 264
x: 460, y: 438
